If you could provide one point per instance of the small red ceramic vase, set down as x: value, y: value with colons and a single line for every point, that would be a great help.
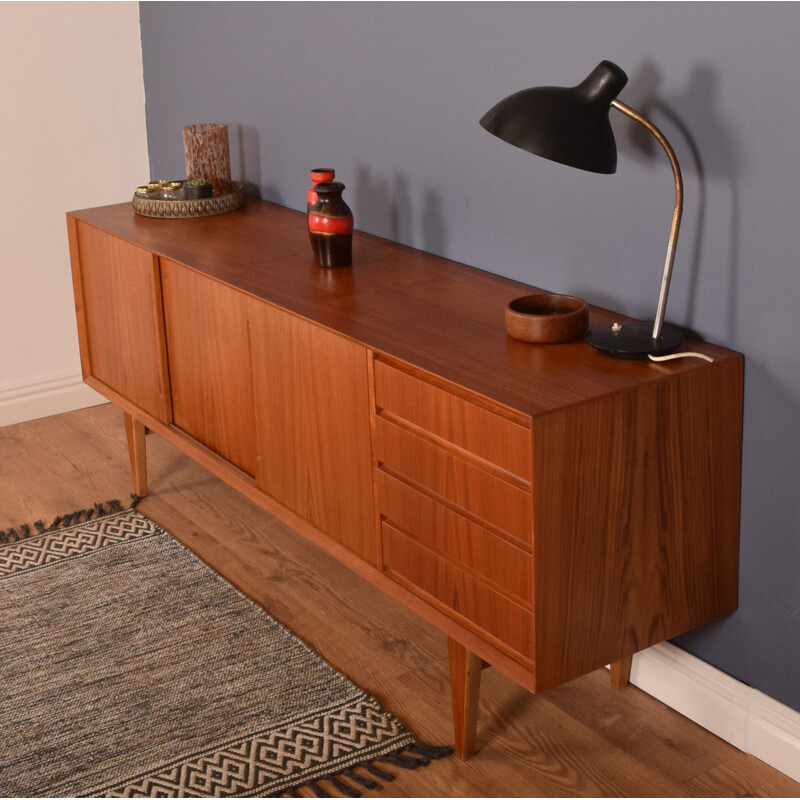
x: 330, y: 226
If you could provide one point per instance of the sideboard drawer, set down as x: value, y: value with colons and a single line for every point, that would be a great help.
x: 503, y: 565
x: 468, y: 426
x: 481, y: 495
x: 431, y: 577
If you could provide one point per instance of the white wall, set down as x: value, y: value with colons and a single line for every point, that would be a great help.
x: 72, y: 135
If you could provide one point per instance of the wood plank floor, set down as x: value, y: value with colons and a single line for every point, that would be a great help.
x: 583, y: 739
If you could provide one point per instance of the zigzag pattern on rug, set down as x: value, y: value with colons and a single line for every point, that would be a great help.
x: 66, y: 541
x: 243, y: 769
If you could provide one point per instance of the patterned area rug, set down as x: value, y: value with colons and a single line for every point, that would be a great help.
x: 131, y: 669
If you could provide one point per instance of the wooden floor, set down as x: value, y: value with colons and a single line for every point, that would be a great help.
x: 581, y: 739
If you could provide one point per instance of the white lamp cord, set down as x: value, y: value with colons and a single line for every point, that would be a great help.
x: 681, y: 355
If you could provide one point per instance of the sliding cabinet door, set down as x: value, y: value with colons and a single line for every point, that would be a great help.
x: 120, y: 323
x: 311, y: 393
x: 209, y: 362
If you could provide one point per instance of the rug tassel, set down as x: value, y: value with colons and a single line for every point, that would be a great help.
x: 366, y: 782
x: 379, y: 773
x: 345, y: 788
x: 429, y: 751
x: 10, y: 535
x: 411, y: 756
x: 397, y: 759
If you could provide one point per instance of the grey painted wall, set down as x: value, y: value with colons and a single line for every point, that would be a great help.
x: 390, y: 95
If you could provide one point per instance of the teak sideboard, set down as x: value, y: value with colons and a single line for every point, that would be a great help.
x: 549, y: 508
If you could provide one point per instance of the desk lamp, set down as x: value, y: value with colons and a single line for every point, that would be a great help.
x: 571, y: 126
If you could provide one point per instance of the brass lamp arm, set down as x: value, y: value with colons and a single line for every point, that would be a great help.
x: 676, y: 214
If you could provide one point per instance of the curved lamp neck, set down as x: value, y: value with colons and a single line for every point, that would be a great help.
x: 676, y: 214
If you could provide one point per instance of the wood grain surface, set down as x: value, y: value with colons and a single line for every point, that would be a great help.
x: 504, y: 564
x: 444, y: 317
x: 312, y: 420
x: 504, y: 623
x: 209, y: 363
x: 465, y: 687
x: 648, y: 484
x: 118, y: 299
x: 472, y: 429
x: 137, y: 450
x: 582, y: 739
x: 473, y: 491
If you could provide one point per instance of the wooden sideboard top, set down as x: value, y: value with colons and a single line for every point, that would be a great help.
x: 441, y: 316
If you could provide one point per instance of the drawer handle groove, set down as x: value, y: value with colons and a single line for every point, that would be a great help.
x: 444, y: 501
x: 462, y: 565
x: 471, y: 626
x: 465, y: 455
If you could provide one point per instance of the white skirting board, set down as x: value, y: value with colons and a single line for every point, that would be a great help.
x: 737, y: 713
x: 44, y: 397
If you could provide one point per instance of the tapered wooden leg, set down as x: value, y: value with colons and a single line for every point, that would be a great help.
x: 465, y: 687
x: 621, y: 672
x: 135, y: 432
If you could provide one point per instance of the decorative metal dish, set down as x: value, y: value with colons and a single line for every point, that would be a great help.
x: 200, y: 207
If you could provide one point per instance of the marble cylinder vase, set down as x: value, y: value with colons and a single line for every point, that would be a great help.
x: 208, y: 155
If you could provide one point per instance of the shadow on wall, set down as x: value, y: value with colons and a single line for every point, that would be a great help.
x: 383, y: 206
x: 713, y: 154
x: 434, y: 234
x: 246, y: 162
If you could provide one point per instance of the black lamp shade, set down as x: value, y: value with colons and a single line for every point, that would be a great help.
x: 566, y: 125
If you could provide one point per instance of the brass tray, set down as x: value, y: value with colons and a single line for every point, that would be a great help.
x: 201, y: 207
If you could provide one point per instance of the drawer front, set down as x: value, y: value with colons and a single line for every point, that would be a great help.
x: 430, y: 576
x: 470, y: 427
x: 493, y: 501
x: 496, y: 561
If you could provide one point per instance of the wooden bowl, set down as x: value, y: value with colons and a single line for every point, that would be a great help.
x: 547, y: 318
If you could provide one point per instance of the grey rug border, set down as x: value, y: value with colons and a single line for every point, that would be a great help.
x: 362, y: 757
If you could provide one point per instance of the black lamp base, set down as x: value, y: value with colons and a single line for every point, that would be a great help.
x: 634, y: 340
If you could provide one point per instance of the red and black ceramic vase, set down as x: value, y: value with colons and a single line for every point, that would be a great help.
x: 319, y: 175
x: 330, y: 226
